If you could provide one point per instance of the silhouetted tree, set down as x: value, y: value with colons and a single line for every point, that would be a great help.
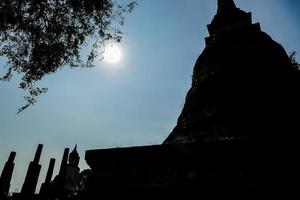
x: 38, y: 37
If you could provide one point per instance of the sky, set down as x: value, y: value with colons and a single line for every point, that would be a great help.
x: 133, y: 102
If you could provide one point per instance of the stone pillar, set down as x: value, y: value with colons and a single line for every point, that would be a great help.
x: 64, y: 162
x: 32, y: 175
x: 44, y: 191
x: 62, y: 171
x: 6, y: 175
x: 50, y: 171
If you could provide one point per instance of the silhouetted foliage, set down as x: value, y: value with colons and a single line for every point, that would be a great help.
x: 295, y: 64
x: 38, y: 37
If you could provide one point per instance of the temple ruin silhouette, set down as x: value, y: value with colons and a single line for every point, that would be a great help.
x: 238, y: 131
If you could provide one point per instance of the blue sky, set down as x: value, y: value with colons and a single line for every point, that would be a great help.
x: 134, y: 102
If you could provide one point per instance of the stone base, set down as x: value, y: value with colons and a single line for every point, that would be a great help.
x: 193, y: 169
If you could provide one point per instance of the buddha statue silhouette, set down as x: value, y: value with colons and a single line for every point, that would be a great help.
x: 72, y: 176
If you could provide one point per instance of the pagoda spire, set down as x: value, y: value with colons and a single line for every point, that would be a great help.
x: 225, y: 5
x: 228, y: 18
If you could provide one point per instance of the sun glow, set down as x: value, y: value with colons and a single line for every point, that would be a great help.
x: 112, y: 53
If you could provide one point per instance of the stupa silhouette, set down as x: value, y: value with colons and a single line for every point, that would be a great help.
x: 243, y: 88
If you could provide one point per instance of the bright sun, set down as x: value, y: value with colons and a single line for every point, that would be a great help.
x: 112, y: 53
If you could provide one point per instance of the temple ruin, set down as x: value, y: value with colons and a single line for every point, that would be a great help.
x: 237, y: 133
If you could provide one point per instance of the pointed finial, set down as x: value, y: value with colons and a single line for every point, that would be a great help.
x: 75, y: 148
x: 74, y: 156
x: 225, y: 5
